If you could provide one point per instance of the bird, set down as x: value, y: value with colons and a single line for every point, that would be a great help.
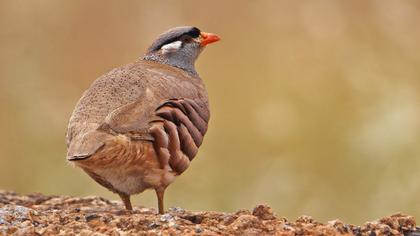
x: 139, y: 126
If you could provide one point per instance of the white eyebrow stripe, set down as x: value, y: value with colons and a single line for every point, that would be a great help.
x: 171, y: 47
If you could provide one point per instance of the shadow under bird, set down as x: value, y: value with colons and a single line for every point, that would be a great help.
x: 140, y: 125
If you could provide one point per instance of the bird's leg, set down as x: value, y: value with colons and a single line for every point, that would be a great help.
x: 159, y: 193
x: 126, y: 200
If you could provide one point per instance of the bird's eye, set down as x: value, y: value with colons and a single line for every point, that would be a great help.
x: 194, y: 32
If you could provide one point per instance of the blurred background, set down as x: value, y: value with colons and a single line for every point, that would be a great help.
x: 315, y: 104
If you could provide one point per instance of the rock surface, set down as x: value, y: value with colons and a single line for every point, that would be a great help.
x: 36, y: 214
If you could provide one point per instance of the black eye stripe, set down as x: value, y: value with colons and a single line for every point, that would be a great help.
x: 194, y: 32
x: 173, y: 35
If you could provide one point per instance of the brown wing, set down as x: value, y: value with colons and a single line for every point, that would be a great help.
x: 176, y: 127
x: 136, y: 117
x: 132, y: 119
x: 160, y: 83
x: 115, y: 89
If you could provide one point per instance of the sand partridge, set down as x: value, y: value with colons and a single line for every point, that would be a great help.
x: 139, y: 126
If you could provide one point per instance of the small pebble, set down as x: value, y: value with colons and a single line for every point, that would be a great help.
x: 90, y: 217
x: 166, y: 218
x: 176, y: 210
x: 198, y: 229
x: 154, y: 225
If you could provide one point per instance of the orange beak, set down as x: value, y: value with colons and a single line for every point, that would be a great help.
x: 207, y: 38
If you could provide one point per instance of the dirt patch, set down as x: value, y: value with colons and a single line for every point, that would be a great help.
x: 36, y: 214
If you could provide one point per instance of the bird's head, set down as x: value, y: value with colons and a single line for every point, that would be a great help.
x: 180, y: 47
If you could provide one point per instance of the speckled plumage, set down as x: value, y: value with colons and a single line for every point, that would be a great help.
x: 124, y: 100
x: 139, y: 125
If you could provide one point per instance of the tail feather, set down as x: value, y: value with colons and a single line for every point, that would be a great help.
x: 78, y: 157
x: 85, y: 145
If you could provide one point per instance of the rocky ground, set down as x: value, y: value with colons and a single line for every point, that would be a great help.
x: 37, y: 214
